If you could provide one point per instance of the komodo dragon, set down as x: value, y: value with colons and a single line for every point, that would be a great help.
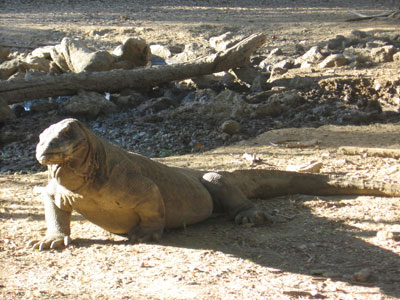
x: 129, y: 194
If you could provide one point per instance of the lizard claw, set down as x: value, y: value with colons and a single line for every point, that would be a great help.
x: 254, y: 216
x: 142, y: 236
x: 50, y: 243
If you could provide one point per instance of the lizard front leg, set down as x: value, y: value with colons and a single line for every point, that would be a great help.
x: 133, y: 191
x: 151, y: 212
x: 58, y: 226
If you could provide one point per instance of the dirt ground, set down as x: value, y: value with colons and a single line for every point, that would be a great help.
x: 341, y: 247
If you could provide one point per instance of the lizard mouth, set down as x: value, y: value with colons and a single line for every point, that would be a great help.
x: 57, y: 157
x: 50, y: 158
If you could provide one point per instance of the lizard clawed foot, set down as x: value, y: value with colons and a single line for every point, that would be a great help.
x: 50, y: 242
x: 254, y: 216
x: 139, y: 235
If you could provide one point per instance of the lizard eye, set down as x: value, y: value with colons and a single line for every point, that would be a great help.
x: 66, y: 135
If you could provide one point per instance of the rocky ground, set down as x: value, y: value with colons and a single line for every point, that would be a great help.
x: 318, y: 80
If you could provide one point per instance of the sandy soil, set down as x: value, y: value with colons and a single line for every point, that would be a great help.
x: 338, y: 247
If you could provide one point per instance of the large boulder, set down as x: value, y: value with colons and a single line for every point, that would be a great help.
x: 383, y: 54
x: 86, y: 104
x: 76, y: 56
x: 10, y: 67
x: 133, y: 53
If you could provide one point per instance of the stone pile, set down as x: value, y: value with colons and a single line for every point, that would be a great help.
x: 213, y: 110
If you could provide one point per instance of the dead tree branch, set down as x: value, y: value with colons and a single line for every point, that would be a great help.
x: 17, y: 90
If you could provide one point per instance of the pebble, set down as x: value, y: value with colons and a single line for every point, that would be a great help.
x: 334, y: 60
x: 230, y: 127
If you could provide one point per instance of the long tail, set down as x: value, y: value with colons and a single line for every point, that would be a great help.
x: 272, y: 183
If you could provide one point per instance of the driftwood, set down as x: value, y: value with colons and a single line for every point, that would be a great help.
x: 18, y: 90
x: 380, y: 152
x: 361, y: 16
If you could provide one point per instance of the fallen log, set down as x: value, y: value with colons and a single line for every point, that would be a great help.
x: 18, y: 90
x: 362, y: 17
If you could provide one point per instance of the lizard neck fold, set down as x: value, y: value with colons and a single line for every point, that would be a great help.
x: 78, y: 171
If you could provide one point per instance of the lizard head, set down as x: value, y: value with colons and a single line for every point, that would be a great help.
x: 62, y: 142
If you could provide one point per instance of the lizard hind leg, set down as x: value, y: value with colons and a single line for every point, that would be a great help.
x: 230, y: 199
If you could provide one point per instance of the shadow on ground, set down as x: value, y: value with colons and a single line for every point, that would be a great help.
x: 309, y: 244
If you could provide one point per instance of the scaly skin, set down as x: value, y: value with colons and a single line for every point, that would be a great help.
x: 125, y: 193
x: 129, y: 194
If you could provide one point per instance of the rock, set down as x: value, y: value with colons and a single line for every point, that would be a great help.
x: 276, y: 52
x: 285, y: 64
x: 383, y: 54
x: 5, y: 111
x: 359, y: 34
x: 10, y: 67
x: 299, y: 49
x: 226, y: 105
x: 224, y: 41
x: 130, y: 101
x: 86, y: 104
x: 301, y: 83
x: 311, y: 167
x: 260, y: 84
x: 337, y: 43
x: 277, y: 71
x: 54, y: 68
x: 43, y: 105
x: 265, y: 65
x: 375, y: 44
x: 230, y: 127
x: 313, y: 55
x: 101, y: 32
x: 229, y: 101
x: 279, y: 83
x: 305, y: 65
x: 160, y: 51
x: 75, y: 56
x: 177, y: 48
x: 396, y: 57
x: 202, y: 96
x: 272, y: 108
x: 81, y: 59
x: 363, y: 275
x: 4, y: 53
x: 38, y: 63
x: 259, y: 97
x: 290, y: 99
x: 333, y: 60
x: 157, y: 104
x: 43, y: 52
x: 58, y: 58
x: 96, y: 62
x: 357, y: 56
x: 247, y: 75
x: 19, y: 110
x: 134, y: 51
x: 225, y: 79
x: 277, y: 103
